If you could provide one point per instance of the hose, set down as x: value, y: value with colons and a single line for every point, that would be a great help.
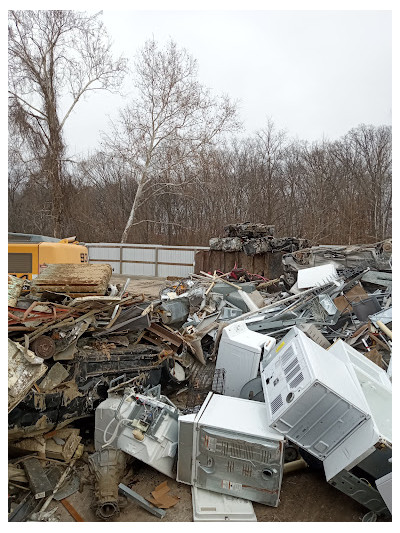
x: 112, y: 438
x: 120, y: 421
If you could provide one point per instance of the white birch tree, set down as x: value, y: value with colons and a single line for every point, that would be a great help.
x: 172, y: 120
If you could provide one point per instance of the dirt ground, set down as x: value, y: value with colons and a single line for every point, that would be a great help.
x: 305, y: 495
x: 149, y: 287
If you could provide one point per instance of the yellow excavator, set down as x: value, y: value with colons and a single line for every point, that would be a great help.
x: 29, y: 255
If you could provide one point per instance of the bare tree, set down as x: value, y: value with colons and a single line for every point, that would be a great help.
x: 55, y: 57
x: 374, y: 147
x: 172, y: 120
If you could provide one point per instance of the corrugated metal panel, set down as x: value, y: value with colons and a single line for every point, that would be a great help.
x: 114, y: 265
x: 138, y: 269
x: 174, y: 270
x: 181, y: 257
x: 139, y: 254
x: 19, y: 263
x: 175, y: 256
x: 151, y: 246
x: 103, y: 253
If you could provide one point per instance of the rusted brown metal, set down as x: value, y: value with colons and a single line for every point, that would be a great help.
x: 72, y: 511
x: 44, y: 347
x: 267, y: 264
x: 70, y: 321
x: 31, y: 317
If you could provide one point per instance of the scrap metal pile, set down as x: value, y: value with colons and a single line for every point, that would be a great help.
x: 269, y: 375
x: 83, y: 333
x: 255, y: 239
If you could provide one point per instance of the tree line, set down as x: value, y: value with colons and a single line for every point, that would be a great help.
x: 174, y: 167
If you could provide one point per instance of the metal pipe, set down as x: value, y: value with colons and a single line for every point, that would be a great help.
x: 293, y: 466
x: 275, y: 304
x: 384, y: 328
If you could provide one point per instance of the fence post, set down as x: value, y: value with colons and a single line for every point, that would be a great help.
x: 156, y: 262
x: 120, y: 257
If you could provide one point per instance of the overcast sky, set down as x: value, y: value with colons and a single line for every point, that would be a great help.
x: 315, y: 73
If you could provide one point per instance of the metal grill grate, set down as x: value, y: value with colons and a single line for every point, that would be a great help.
x: 218, y: 384
x: 276, y: 404
x: 19, y: 263
x: 291, y: 375
x: 297, y: 380
x: 287, y: 355
x: 290, y: 366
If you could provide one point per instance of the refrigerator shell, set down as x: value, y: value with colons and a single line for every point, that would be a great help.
x: 389, y: 369
x: 360, y: 363
x: 186, y: 433
x: 311, y: 395
x: 239, y: 353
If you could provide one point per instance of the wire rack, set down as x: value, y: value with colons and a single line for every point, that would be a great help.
x: 202, y: 381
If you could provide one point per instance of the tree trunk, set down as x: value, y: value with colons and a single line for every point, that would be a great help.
x: 133, y: 211
x: 55, y: 150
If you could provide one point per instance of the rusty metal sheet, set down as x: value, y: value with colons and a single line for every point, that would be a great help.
x: 268, y: 264
x: 82, y: 279
x: 36, y: 316
x: 356, y: 294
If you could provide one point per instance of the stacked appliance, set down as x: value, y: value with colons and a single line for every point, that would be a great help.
x: 336, y: 405
x: 365, y: 456
x: 375, y: 437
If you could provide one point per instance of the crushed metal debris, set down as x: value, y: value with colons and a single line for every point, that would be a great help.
x: 80, y: 348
